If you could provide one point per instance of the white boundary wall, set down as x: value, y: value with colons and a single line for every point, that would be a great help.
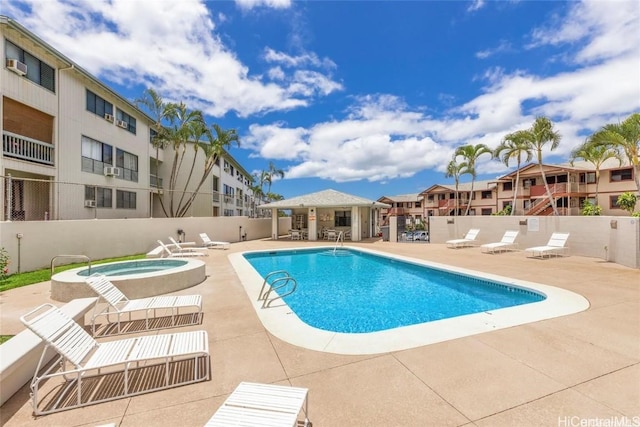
x: 611, y: 238
x: 106, y: 238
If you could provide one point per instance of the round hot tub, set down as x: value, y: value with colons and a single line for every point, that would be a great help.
x: 136, y: 279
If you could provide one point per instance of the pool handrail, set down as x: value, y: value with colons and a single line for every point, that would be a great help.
x: 284, y: 277
x: 70, y: 256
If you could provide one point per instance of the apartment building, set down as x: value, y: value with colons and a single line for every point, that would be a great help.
x: 406, y: 205
x: 73, y: 148
x: 570, y: 185
x: 440, y: 199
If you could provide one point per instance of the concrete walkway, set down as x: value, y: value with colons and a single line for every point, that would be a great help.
x: 556, y: 372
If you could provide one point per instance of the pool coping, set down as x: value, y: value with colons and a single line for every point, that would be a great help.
x: 283, y: 323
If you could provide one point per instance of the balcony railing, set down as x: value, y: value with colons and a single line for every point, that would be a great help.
x: 21, y: 147
x: 155, y: 181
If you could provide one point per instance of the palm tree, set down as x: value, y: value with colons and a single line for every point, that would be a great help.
x: 470, y: 153
x: 272, y: 172
x: 623, y: 137
x: 540, y: 133
x: 514, y: 146
x: 161, y: 112
x: 596, y: 155
x: 454, y: 170
x: 217, y: 142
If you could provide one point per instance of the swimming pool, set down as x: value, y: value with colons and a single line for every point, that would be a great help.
x: 363, y: 292
x: 283, y: 322
x: 136, y: 279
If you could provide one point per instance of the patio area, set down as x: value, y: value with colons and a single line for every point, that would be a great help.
x: 554, y: 372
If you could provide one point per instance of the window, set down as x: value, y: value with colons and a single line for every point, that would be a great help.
x: 101, y: 195
x: 528, y: 183
x: 486, y: 211
x: 505, y: 204
x: 507, y: 186
x: 589, y: 178
x: 430, y: 197
x: 487, y: 195
x: 342, y: 219
x: 409, y: 205
x: 622, y: 175
x: 418, y: 204
x: 128, y: 164
x: 613, y: 202
x: 95, y: 155
x: 97, y: 105
x: 125, y: 199
x: 228, y: 212
x: 129, y: 121
x: 37, y: 71
x: 526, y: 204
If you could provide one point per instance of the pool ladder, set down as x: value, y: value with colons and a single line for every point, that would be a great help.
x: 338, y: 239
x: 274, y: 281
x: 70, y: 256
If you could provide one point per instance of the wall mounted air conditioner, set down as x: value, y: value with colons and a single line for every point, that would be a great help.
x: 111, y: 171
x: 17, y: 66
x: 227, y: 170
x: 122, y: 124
x: 108, y: 117
x: 89, y: 203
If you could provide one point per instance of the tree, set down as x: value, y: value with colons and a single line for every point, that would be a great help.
x: 176, y: 126
x: 270, y: 174
x: 596, y: 155
x: 625, y: 138
x: 470, y: 153
x: 627, y: 201
x: 541, y: 133
x: 514, y: 146
x: 454, y: 170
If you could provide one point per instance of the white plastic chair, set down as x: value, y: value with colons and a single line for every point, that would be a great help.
x: 555, y: 247
x: 208, y: 243
x: 468, y: 240
x: 179, y: 253
x: 118, y: 305
x: 157, y: 354
x: 507, y: 243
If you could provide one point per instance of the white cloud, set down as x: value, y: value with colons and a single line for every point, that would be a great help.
x: 275, y: 4
x: 601, y: 29
x: 173, y: 48
x: 476, y: 5
x: 503, y: 46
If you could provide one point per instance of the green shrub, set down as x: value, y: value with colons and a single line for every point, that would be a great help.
x: 627, y: 201
x: 4, y: 263
x: 590, y: 209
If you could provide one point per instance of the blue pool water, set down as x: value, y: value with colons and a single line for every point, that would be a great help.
x: 133, y: 267
x: 358, y: 292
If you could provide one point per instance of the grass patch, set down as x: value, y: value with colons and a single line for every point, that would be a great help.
x: 4, y: 338
x: 19, y: 280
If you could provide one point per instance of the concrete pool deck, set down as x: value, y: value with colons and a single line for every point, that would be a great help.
x: 583, y: 366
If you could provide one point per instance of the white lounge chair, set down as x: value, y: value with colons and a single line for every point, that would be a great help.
x: 179, y: 253
x: 254, y: 404
x: 132, y: 366
x: 555, y: 246
x: 468, y: 240
x: 507, y: 243
x: 118, y: 305
x: 182, y: 247
x: 208, y: 243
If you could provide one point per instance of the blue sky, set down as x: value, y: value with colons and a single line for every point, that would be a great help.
x: 366, y: 97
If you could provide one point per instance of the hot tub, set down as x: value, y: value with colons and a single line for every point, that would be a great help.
x: 136, y: 279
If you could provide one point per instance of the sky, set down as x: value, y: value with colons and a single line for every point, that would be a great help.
x: 370, y: 98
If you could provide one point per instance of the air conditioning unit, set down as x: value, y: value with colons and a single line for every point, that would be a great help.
x: 89, y: 203
x: 108, y: 117
x: 111, y: 171
x: 227, y: 170
x: 122, y: 124
x: 17, y: 66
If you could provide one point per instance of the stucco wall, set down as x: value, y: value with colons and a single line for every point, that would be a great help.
x: 590, y: 236
x: 98, y: 239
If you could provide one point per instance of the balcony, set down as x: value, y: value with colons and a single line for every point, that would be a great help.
x: 21, y: 147
x: 155, y: 181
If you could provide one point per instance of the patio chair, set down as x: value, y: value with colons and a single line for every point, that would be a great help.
x: 468, y: 240
x: 208, y: 243
x: 331, y: 235
x: 96, y: 372
x: 118, y: 305
x: 296, y: 235
x: 254, y: 404
x: 179, y: 252
x: 507, y: 243
x: 182, y: 247
x: 555, y: 247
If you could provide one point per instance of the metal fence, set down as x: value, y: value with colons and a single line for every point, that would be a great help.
x: 28, y: 199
